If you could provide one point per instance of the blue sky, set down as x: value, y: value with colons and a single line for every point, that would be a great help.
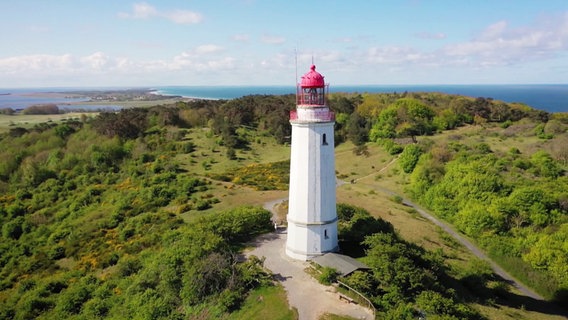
x: 256, y: 42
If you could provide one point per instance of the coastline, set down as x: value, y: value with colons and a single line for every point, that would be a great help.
x: 160, y: 92
x: 551, y: 98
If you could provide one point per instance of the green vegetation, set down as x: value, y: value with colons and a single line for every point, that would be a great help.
x: 134, y: 214
x: 92, y: 217
x: 513, y: 204
x: 270, y: 176
x: 511, y: 201
x: 268, y: 302
x: 405, y: 279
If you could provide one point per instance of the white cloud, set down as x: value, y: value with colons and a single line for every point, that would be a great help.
x: 241, y: 37
x: 96, y: 61
x: 140, y: 11
x: 208, y: 49
x: 494, y: 31
x: 394, y: 55
x: 431, y: 36
x: 271, y: 39
x: 145, y: 11
x: 35, y: 63
x: 99, y: 68
x: 501, y: 44
x: 183, y: 16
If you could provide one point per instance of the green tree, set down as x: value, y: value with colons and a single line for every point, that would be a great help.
x: 356, y: 129
x: 385, y: 126
x: 545, y: 165
x: 409, y: 157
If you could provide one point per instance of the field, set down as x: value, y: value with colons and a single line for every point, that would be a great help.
x: 372, y: 182
x: 29, y: 120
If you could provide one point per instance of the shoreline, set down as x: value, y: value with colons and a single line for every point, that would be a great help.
x: 549, y: 98
x: 191, y: 98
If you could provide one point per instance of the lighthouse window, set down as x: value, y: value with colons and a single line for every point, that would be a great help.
x: 324, y: 140
x: 325, y: 234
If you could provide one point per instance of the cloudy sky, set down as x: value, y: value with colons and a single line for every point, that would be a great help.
x: 256, y: 42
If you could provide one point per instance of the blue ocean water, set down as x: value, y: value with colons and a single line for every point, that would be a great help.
x: 548, y: 97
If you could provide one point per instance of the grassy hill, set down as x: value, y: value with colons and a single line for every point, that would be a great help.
x: 125, y: 214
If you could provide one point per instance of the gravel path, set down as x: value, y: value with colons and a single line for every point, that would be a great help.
x: 470, y: 246
x: 478, y: 253
x: 308, y: 296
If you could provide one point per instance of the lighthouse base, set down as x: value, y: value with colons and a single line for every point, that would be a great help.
x: 308, y: 241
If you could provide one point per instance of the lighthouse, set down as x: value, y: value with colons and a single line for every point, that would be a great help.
x: 312, y: 215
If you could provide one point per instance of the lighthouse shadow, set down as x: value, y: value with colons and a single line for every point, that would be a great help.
x: 279, y: 277
x: 266, y: 237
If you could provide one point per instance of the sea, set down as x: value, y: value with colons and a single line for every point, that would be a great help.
x: 547, y: 97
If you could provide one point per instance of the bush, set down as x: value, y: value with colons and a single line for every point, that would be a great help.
x: 391, y: 147
x: 409, y: 157
x: 71, y: 300
x: 328, y: 276
x: 129, y: 266
x: 42, y: 109
x: 13, y: 229
x: 56, y: 253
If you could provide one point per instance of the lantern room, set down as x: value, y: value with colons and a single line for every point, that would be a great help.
x: 312, y: 89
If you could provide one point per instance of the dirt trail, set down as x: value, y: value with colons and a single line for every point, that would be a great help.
x: 466, y: 243
x: 470, y: 246
x: 476, y: 251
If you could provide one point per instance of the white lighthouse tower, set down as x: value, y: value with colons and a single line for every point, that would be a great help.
x: 312, y: 216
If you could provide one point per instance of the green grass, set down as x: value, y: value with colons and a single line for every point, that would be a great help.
x: 265, y: 303
x: 29, y: 120
x: 210, y: 156
x: 537, y: 281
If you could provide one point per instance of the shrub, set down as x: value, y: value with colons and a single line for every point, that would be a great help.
x: 13, y: 229
x: 56, y: 253
x: 128, y: 266
x: 71, y: 300
x: 328, y: 276
x: 409, y: 157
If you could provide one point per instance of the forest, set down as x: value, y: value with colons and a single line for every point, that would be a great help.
x: 111, y: 216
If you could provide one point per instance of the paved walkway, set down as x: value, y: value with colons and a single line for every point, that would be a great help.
x: 308, y: 296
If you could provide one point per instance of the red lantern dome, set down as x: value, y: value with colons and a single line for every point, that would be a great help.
x: 312, y: 79
x: 311, y: 90
x: 310, y: 99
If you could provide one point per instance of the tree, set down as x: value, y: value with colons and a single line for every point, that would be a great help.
x: 127, y: 124
x: 475, y: 218
x: 385, y: 126
x: 409, y: 157
x: 7, y: 111
x: 356, y: 129
x: 342, y: 104
x: 64, y: 130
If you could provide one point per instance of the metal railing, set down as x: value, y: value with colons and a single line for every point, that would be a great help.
x: 315, y: 117
x: 361, y: 299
